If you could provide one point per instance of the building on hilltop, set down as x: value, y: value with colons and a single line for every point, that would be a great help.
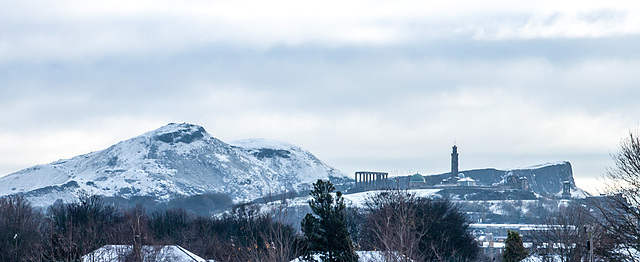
x: 515, y: 181
x: 417, y: 180
x: 524, y: 183
x: 566, y: 190
x: 454, y: 162
x: 371, y: 180
x: 465, y: 181
x: 454, y: 174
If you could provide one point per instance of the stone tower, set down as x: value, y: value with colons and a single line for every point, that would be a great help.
x: 454, y: 162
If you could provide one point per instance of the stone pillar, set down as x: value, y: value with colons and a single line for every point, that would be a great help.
x: 366, y: 179
x: 375, y: 181
x: 386, y: 180
x: 454, y: 162
x: 373, y: 178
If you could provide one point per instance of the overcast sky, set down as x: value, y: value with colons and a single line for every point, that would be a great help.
x: 364, y: 85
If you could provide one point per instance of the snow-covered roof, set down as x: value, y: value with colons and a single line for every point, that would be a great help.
x: 117, y: 253
x: 481, y: 225
x: 495, y: 245
x: 363, y: 256
x: 466, y: 179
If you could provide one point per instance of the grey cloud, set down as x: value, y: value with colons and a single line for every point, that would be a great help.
x: 350, y: 101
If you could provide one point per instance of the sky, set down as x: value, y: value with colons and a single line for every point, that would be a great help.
x: 364, y: 84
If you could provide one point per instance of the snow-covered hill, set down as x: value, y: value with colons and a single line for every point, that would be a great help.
x: 174, y: 160
x: 544, y: 178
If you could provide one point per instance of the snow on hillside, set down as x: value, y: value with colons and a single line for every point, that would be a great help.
x: 259, y: 143
x: 358, y: 199
x: 174, y: 160
x: 351, y: 200
x: 288, y: 159
x: 548, y: 164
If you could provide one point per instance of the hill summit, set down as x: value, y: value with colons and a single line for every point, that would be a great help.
x: 175, y: 160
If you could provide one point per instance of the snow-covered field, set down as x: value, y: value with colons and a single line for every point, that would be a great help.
x: 363, y: 256
x: 358, y: 199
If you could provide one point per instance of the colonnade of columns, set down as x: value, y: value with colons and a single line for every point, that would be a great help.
x: 371, y: 179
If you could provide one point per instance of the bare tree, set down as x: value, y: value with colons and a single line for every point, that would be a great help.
x: 282, y: 242
x: 20, y: 236
x: 81, y: 227
x: 565, y: 233
x: 619, y: 213
x: 392, y: 226
x: 407, y: 228
x: 133, y: 232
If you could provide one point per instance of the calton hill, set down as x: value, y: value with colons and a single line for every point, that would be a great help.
x: 534, y: 214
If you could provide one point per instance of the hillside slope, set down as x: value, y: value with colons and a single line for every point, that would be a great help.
x: 543, y: 179
x: 174, y: 160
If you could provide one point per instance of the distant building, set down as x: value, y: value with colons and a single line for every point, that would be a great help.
x: 371, y: 180
x: 524, y: 183
x: 566, y: 189
x: 513, y: 181
x: 454, y: 162
x: 453, y: 178
x: 417, y: 180
x: 466, y: 181
x: 490, y: 247
x: 122, y: 253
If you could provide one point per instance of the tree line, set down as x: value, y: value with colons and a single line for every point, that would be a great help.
x: 404, y: 227
x: 396, y: 222
x: 66, y: 232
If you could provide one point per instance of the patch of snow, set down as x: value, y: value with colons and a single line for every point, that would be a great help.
x: 557, y: 163
x: 538, y: 258
x: 496, y: 209
x: 363, y: 256
x: 260, y: 143
x: 358, y: 199
x: 222, y: 158
x: 578, y: 193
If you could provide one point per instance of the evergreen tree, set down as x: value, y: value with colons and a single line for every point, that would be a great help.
x: 514, y: 248
x: 326, y: 229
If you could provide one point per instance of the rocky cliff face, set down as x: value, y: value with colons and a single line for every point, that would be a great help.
x: 543, y: 179
x: 174, y: 160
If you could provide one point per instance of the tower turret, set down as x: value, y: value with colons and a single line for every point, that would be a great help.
x: 454, y: 162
